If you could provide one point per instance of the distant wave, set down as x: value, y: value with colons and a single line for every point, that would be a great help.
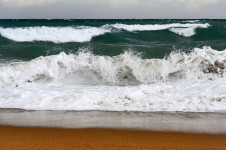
x: 191, y: 21
x: 181, y: 29
x: 85, y: 34
x: 52, y: 34
x: 154, y: 27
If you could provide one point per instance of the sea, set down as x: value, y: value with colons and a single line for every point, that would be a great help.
x: 113, y: 65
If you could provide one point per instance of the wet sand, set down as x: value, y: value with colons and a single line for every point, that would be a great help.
x: 27, y: 138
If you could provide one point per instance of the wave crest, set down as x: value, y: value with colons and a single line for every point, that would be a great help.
x: 84, y: 34
x: 124, y: 69
x: 180, y: 29
x: 52, y: 34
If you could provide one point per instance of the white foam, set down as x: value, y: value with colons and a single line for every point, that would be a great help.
x: 53, y: 34
x: 179, y: 82
x: 84, y: 34
x: 116, y: 69
x: 187, y: 32
x: 181, y: 29
x: 191, y: 21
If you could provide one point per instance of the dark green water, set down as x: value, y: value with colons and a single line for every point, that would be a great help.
x: 151, y: 44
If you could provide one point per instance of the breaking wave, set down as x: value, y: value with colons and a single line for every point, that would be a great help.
x: 84, y: 34
x: 181, y: 81
x: 187, y: 32
x: 124, y: 69
x: 181, y: 29
x: 52, y: 34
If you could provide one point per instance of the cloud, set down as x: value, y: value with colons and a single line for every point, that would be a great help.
x: 196, y: 4
x: 24, y: 3
x: 129, y: 2
x: 114, y: 9
x: 188, y: 4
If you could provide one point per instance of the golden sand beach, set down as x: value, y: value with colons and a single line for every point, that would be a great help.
x: 30, y: 138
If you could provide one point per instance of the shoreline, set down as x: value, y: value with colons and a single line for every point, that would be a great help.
x: 26, y: 138
x: 187, y: 122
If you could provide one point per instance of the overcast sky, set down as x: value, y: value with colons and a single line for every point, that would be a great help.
x: 112, y: 9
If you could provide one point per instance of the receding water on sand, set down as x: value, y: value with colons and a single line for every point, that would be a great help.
x: 155, y: 121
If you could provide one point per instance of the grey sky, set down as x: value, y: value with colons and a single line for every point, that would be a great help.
x: 112, y: 9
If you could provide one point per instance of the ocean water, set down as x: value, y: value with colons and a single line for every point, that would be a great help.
x: 113, y: 65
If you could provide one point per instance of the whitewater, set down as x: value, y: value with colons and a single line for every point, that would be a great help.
x: 113, y: 65
x: 86, y: 33
x: 190, y: 82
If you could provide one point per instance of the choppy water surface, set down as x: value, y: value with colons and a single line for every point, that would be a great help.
x: 116, y: 65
